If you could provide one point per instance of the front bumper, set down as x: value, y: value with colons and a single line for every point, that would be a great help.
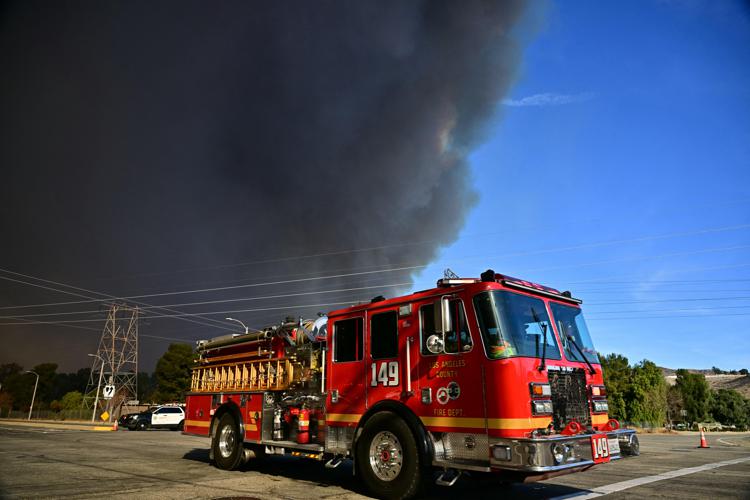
x: 537, y: 455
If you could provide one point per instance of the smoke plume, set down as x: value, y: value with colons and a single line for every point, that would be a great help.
x: 140, y: 139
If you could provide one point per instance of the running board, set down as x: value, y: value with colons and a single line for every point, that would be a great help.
x: 448, y: 477
x: 334, y: 462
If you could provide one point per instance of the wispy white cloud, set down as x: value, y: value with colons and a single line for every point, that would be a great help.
x: 549, y: 99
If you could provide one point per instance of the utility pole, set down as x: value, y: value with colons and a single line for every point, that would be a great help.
x: 98, y: 386
x: 33, y: 396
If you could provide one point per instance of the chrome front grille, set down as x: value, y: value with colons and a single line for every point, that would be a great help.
x: 569, y: 398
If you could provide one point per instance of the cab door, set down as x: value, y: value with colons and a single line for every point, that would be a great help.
x: 346, y: 369
x: 385, y: 357
x: 452, y: 384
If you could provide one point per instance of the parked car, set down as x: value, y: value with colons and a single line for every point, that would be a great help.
x: 123, y: 420
x: 162, y: 417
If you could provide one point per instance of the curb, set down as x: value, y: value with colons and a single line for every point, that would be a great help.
x: 55, y: 424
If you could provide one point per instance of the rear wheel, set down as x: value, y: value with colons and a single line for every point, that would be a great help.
x: 227, y: 443
x: 388, y: 460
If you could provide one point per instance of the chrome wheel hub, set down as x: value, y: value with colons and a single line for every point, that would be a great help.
x: 227, y: 439
x: 386, y: 456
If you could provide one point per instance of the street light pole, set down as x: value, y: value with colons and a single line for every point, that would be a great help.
x: 240, y: 322
x: 101, y: 372
x: 33, y: 396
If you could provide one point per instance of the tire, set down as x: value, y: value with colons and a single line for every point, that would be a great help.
x: 179, y: 426
x: 388, y: 459
x: 141, y: 426
x: 227, y: 444
x: 634, y: 448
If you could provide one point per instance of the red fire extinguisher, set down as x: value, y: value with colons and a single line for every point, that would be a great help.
x: 303, y: 426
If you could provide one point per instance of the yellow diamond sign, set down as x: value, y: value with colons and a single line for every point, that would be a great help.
x: 104, y: 416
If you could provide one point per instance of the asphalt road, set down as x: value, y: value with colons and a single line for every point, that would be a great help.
x: 39, y: 462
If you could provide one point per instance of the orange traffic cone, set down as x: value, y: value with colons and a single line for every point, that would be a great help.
x: 114, y: 427
x: 704, y: 444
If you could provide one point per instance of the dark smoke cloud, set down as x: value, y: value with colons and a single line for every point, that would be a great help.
x: 143, y: 137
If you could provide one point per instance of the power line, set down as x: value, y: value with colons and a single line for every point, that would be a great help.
x: 672, y: 310
x: 111, y: 297
x: 67, y: 325
x: 233, y: 311
x: 483, y: 235
x: 609, y: 280
x: 668, y: 300
x: 670, y: 316
x: 31, y: 322
x: 243, y: 299
x: 640, y: 258
x: 623, y: 291
x: 216, y: 289
x: 525, y: 253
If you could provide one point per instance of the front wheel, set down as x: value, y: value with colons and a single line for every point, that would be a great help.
x: 142, y: 426
x: 388, y: 459
x: 227, y: 444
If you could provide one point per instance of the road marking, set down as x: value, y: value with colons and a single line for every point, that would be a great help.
x: 728, y: 443
x: 632, y: 483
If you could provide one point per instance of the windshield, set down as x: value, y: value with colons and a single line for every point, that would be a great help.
x: 570, y: 322
x: 514, y: 325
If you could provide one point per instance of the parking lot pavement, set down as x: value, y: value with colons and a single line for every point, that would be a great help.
x: 39, y: 462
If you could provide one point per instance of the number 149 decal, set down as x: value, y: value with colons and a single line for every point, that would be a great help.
x: 600, y: 448
x: 385, y: 374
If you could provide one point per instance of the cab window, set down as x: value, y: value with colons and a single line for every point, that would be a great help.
x: 347, y: 340
x: 457, y: 339
x: 384, y: 335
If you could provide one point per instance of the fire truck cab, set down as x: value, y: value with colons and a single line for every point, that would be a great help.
x: 490, y: 374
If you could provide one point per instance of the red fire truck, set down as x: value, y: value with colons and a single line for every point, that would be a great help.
x: 493, y: 374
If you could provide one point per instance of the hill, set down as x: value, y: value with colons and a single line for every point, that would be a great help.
x: 740, y: 383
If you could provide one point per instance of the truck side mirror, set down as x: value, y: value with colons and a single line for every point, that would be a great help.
x: 442, y: 324
x: 435, y: 344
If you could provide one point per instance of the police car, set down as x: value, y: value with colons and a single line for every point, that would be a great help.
x: 161, y: 417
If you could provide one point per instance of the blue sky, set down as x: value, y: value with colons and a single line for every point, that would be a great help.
x: 618, y: 168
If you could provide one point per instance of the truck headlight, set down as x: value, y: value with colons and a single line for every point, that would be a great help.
x: 559, y: 453
x: 501, y: 452
x: 543, y: 407
x: 601, y: 406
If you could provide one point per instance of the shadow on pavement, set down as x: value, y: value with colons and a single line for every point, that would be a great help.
x: 474, y: 485
x: 197, y: 455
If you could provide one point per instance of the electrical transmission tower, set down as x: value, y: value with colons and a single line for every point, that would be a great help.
x: 115, y: 362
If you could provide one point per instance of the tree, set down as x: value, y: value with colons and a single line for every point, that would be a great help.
x: 6, y: 403
x: 173, y: 373
x: 68, y: 382
x: 729, y: 408
x: 696, y: 394
x: 617, y: 374
x: 11, y: 383
x: 9, y: 369
x: 675, y: 405
x: 19, y: 386
x: 743, y: 371
x: 72, y: 401
x: 146, y: 386
x: 646, y: 396
x: 45, y: 390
